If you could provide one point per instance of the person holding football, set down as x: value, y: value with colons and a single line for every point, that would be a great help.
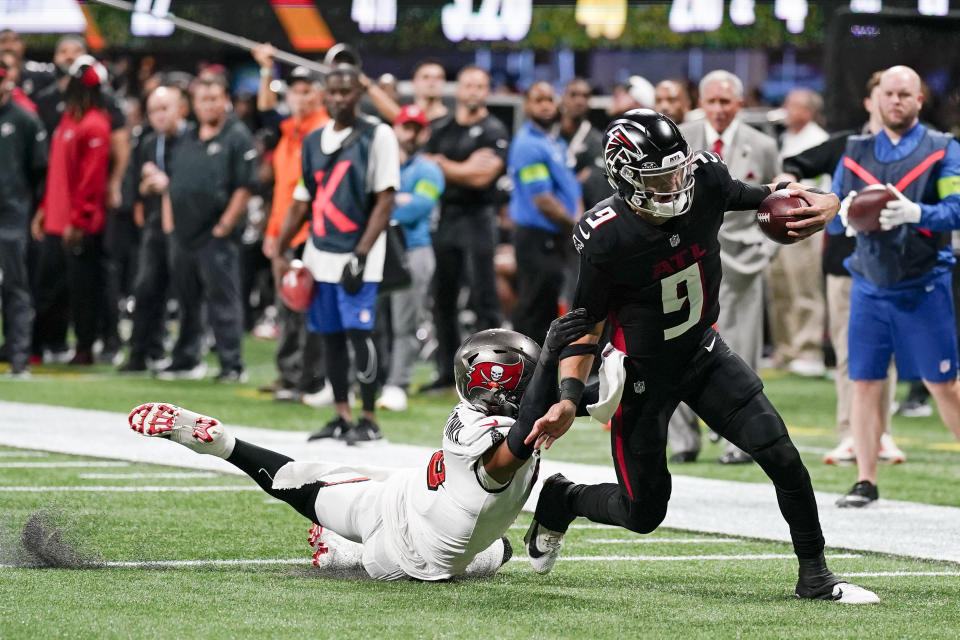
x: 410, y: 524
x: 650, y: 265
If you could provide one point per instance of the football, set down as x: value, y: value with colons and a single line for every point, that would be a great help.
x: 774, y: 214
x: 296, y: 287
x: 864, y: 212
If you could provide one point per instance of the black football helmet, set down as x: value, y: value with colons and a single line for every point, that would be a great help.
x: 649, y: 163
x: 493, y: 368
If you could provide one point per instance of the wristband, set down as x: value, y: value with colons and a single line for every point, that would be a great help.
x: 266, y: 72
x: 782, y: 185
x: 818, y: 191
x: 581, y: 349
x: 572, y: 389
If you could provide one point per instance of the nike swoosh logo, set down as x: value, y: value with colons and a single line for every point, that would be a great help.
x: 709, y: 347
x: 532, y: 550
x: 585, y: 234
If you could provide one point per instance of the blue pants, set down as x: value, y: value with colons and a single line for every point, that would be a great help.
x: 916, y: 325
x: 332, y: 310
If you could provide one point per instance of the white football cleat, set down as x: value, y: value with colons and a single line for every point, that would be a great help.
x: 846, y: 593
x: 841, y: 454
x: 889, y: 451
x: 393, y: 398
x: 200, y: 433
x: 543, y: 547
x: 335, y: 555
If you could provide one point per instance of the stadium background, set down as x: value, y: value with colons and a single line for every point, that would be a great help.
x: 609, y: 599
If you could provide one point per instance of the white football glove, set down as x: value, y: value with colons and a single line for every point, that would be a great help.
x: 899, y: 211
x: 844, y: 212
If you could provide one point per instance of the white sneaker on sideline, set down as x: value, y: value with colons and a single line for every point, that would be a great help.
x: 807, y: 368
x: 393, y: 398
x: 200, y: 433
x: 197, y: 372
x: 889, y: 451
x: 323, y: 398
x: 842, y: 453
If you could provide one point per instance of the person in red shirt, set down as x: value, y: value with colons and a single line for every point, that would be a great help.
x: 72, y: 216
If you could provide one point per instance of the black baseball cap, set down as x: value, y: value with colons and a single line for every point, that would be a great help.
x: 301, y: 74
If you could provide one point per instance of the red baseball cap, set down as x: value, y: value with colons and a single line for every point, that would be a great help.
x: 412, y: 113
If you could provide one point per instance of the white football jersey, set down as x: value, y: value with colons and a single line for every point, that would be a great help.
x: 438, y: 518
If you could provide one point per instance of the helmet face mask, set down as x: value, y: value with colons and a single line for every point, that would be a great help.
x: 492, y: 369
x: 649, y: 163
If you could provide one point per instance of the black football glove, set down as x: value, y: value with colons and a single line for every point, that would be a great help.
x: 564, y: 330
x: 352, y: 278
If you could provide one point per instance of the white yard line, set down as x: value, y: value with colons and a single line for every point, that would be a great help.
x: 697, y: 504
x: 176, y: 475
x: 23, y: 454
x: 663, y: 540
x: 898, y: 574
x: 606, y: 527
x: 65, y: 464
x: 696, y: 558
x: 145, y: 489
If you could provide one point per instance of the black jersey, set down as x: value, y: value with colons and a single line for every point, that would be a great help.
x: 659, y: 285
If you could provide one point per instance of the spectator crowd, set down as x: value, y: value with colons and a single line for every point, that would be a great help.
x: 159, y: 196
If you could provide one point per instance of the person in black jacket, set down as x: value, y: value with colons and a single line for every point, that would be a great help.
x: 23, y: 161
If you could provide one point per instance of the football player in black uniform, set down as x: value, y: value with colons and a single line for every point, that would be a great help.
x: 650, y: 266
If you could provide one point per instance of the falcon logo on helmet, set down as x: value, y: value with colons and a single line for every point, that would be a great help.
x: 649, y: 163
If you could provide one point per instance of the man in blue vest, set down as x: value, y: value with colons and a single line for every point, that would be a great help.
x: 901, y: 302
x: 545, y: 203
x: 351, y: 169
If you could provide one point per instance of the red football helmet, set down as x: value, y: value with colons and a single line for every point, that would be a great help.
x: 297, y: 287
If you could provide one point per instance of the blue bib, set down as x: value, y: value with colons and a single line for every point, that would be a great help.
x: 886, y: 258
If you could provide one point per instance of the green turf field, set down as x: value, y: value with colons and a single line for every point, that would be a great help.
x: 633, y: 595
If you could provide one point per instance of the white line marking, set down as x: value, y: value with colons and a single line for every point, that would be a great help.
x: 662, y: 540
x: 607, y: 527
x: 263, y: 561
x: 697, y: 558
x: 148, y: 489
x: 897, y: 574
x: 146, y: 476
x: 57, y: 465
x: 23, y: 454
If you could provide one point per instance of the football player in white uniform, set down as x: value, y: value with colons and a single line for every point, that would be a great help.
x: 429, y: 523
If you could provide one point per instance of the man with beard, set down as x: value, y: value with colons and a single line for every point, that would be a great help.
x: 470, y: 146
x: 901, y: 301
x: 544, y: 204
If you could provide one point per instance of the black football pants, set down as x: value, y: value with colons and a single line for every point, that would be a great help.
x: 728, y: 395
x: 16, y: 301
x: 208, y: 273
x: 150, y: 294
x: 465, y: 241
x: 541, y: 263
x: 51, y: 299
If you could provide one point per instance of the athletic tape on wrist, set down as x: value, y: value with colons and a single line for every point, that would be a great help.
x: 572, y: 389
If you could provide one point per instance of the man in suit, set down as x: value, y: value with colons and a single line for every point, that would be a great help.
x: 750, y: 156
